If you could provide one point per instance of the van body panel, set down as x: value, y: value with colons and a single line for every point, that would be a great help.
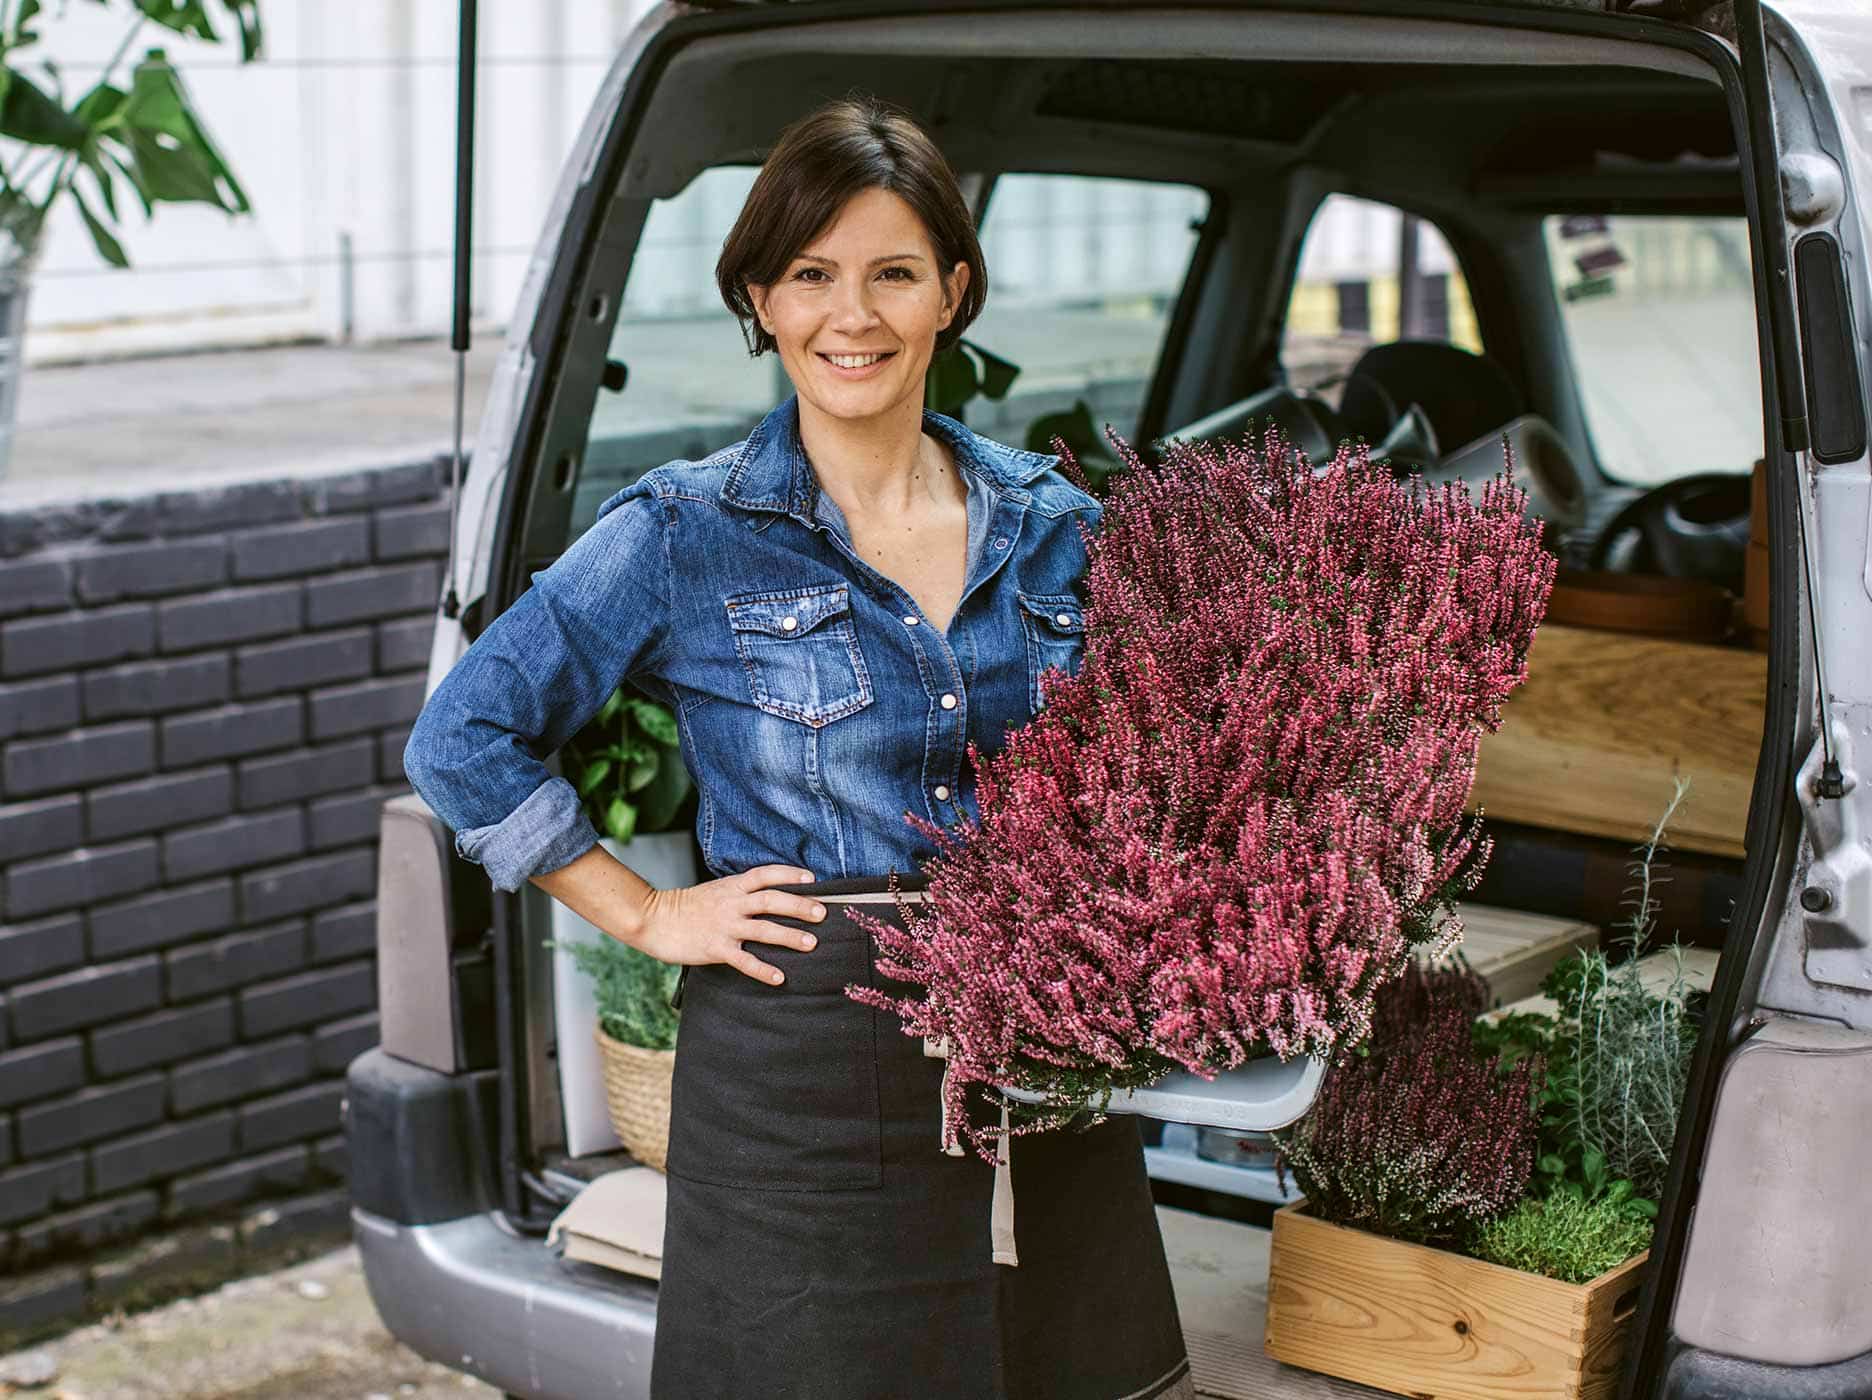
x: 514, y: 379
x: 1834, y: 503
x: 1780, y: 1274
x: 474, y: 1295
x: 1773, y: 1269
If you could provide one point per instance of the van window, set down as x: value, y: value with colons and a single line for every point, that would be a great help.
x: 1660, y: 318
x: 693, y: 386
x: 1348, y: 295
x: 1082, y: 275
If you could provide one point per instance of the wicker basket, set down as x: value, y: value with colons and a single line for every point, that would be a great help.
x: 637, y: 1091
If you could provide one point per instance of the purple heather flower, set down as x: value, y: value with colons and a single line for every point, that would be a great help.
x: 1223, y: 834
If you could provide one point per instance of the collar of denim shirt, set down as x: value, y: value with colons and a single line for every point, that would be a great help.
x: 771, y: 472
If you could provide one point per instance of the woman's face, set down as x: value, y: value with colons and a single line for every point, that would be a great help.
x: 868, y: 287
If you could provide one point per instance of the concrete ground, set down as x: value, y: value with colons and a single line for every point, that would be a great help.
x: 308, y: 1332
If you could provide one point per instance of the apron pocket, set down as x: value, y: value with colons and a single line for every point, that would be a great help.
x: 776, y: 1088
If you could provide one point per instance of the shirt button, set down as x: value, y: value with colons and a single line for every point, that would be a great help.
x: 910, y: 620
x: 1063, y: 619
x: 787, y: 624
x: 948, y: 702
x: 1001, y: 543
x: 942, y: 793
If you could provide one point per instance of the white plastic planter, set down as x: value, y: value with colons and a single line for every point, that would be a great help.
x: 1259, y: 1097
x: 667, y: 860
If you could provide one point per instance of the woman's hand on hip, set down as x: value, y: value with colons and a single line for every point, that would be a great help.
x: 713, y: 922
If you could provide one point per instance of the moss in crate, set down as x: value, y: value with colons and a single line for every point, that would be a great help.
x: 1565, y: 1236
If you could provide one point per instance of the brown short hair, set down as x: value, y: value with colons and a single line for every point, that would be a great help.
x: 841, y: 149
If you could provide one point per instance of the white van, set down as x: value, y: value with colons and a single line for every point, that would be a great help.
x: 1583, y: 162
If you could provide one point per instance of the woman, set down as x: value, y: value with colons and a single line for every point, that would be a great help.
x: 833, y: 609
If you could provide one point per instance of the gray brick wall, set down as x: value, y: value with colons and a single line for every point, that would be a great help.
x: 203, y: 701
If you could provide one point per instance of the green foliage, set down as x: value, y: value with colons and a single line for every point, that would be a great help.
x: 148, y: 133
x: 1631, y: 1066
x: 958, y: 374
x: 1617, y: 1057
x: 964, y: 370
x: 633, y: 991
x: 628, y: 768
x: 1076, y: 429
x: 1566, y: 1235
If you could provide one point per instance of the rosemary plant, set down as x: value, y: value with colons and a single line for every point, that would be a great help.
x: 1634, y: 1045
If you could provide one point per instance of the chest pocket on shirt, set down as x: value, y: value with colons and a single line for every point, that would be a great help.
x: 1055, y: 628
x: 800, y: 651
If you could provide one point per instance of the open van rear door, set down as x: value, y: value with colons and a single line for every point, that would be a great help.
x: 1761, y: 1283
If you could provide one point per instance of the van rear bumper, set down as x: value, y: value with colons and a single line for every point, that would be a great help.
x: 474, y: 1296
x: 1696, y: 1374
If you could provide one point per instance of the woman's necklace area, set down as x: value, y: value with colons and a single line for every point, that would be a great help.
x: 926, y: 558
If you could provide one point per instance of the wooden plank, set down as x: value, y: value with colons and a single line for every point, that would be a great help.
x: 1219, y: 1270
x: 1514, y: 951
x: 1655, y: 973
x: 1607, y: 721
x: 1430, y: 1322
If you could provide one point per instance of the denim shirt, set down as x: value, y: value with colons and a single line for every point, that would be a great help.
x: 816, y: 705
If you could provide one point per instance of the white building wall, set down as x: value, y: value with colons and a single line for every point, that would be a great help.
x: 343, y: 135
x: 345, y: 130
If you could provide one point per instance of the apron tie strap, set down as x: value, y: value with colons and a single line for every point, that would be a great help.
x: 1001, y: 1220
x: 939, y: 1049
x: 1001, y: 1217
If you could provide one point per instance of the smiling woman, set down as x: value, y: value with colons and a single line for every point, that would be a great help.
x: 841, y: 317
x: 839, y: 609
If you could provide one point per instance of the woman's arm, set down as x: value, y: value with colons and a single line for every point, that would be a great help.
x: 533, y: 679
x: 704, y: 923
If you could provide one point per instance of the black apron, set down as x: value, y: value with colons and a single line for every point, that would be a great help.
x: 818, y: 1243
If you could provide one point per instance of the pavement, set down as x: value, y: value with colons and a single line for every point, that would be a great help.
x: 131, y: 427
x: 308, y: 1332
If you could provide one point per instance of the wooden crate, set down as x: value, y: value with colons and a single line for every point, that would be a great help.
x: 1607, y: 721
x: 1438, y: 1325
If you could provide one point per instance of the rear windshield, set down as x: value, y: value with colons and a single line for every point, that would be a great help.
x: 1660, y: 316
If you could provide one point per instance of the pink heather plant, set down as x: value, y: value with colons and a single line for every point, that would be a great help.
x: 1221, y: 836
x: 1422, y: 1138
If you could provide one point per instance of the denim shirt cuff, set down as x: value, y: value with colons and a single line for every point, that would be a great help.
x: 548, y: 830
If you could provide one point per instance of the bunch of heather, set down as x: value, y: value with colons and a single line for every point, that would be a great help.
x: 1418, y: 1136
x: 1232, y: 825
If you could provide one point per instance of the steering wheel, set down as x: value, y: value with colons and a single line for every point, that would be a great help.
x: 1695, y: 526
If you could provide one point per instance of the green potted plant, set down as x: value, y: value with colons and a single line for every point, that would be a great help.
x: 965, y: 370
x: 634, y: 1034
x: 616, y: 1028
x: 143, y: 128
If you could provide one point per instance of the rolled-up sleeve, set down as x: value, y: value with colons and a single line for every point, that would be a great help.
x: 531, y: 681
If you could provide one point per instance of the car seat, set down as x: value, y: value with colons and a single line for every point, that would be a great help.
x: 1463, y: 394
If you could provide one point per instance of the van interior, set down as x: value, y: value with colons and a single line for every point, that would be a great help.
x: 1542, y: 160
x: 1495, y: 155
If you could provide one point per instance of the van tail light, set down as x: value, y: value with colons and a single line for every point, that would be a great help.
x: 434, y: 970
